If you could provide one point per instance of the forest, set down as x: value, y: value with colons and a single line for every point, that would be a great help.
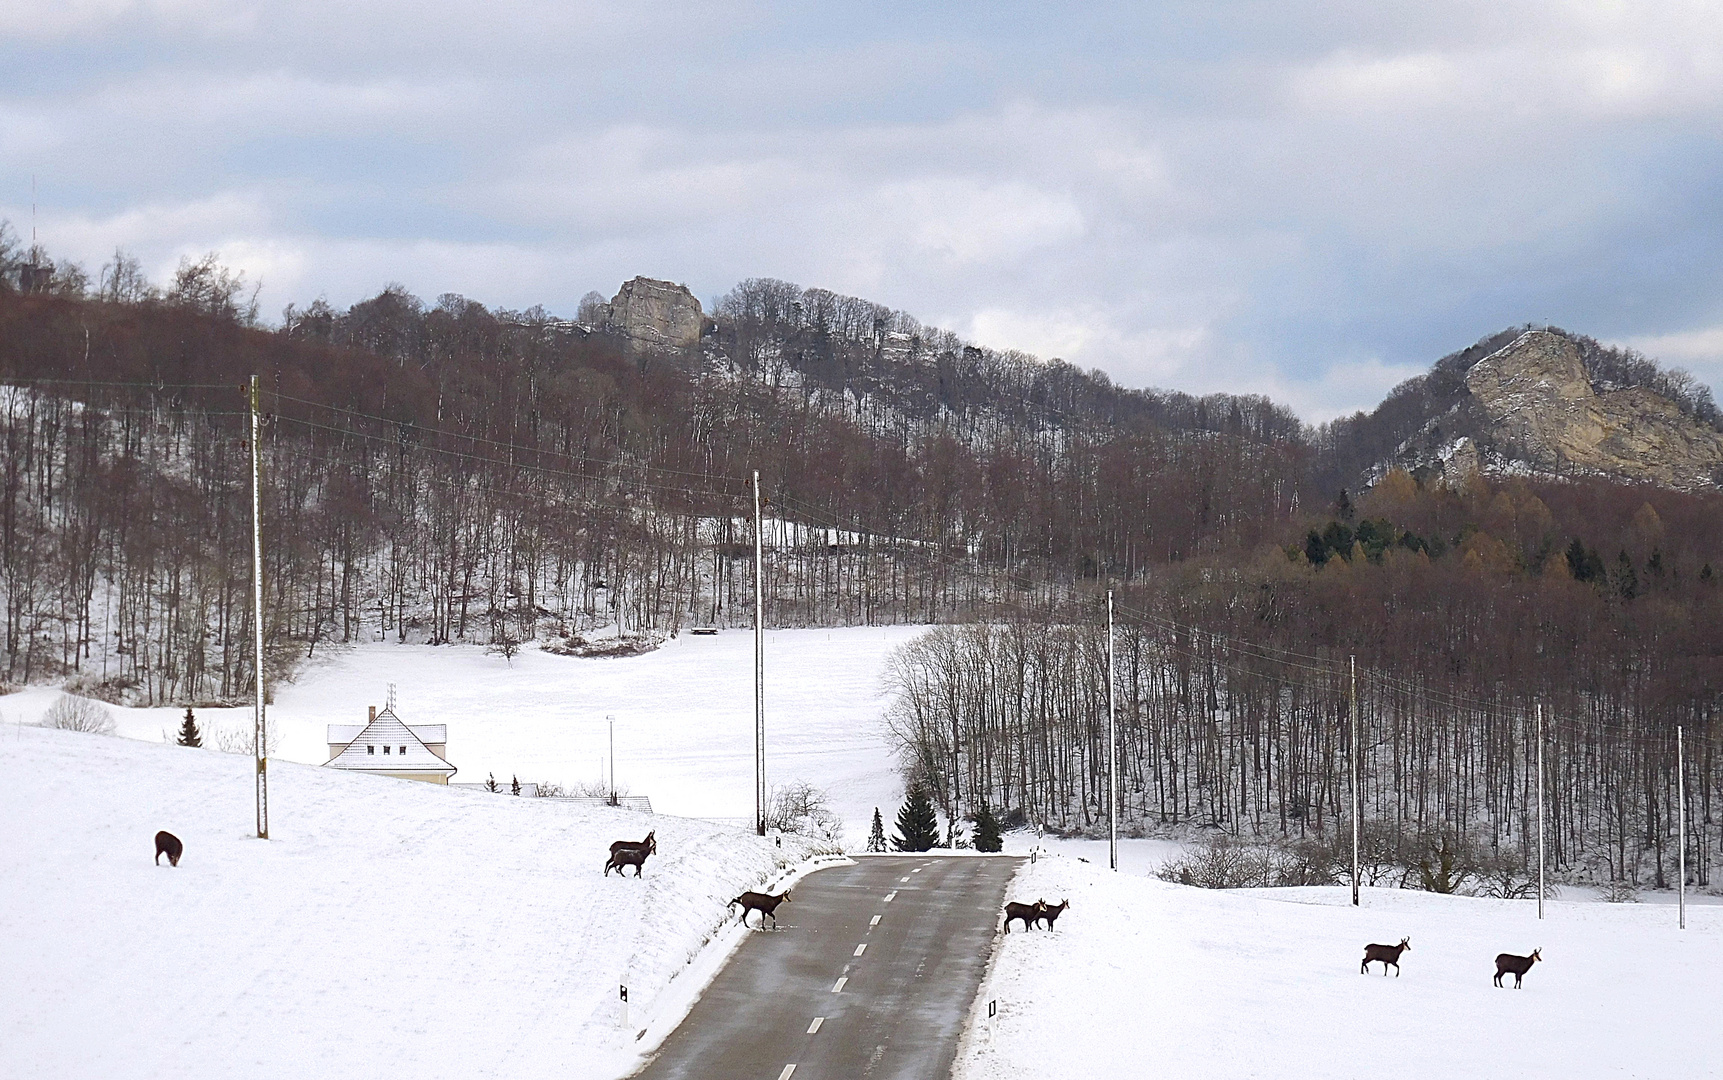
x: 450, y: 473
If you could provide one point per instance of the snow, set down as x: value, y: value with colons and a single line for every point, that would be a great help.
x: 684, y: 715
x: 1145, y: 977
x: 387, y: 928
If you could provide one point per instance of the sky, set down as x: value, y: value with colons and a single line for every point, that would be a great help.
x: 1312, y: 200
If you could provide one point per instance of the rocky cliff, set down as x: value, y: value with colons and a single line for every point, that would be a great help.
x: 652, y: 314
x: 1533, y: 408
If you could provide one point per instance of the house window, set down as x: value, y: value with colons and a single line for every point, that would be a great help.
x: 403, y: 750
x: 370, y: 749
x: 385, y: 749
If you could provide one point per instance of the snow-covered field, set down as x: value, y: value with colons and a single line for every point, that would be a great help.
x: 387, y: 928
x: 684, y: 715
x: 1146, y: 978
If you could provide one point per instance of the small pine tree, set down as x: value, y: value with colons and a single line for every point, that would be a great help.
x: 876, y: 836
x: 491, y: 784
x: 917, y: 826
x: 987, y: 836
x: 514, y: 788
x: 188, y: 733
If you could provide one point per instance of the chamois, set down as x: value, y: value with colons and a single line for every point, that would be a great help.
x: 650, y: 844
x: 1519, y: 965
x: 1050, y: 912
x: 1029, y: 913
x: 627, y: 856
x: 168, y: 844
x: 765, y: 903
x: 1387, y: 954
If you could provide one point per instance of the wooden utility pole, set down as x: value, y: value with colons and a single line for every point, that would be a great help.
x: 260, y: 745
x: 1681, y: 812
x: 1540, y: 709
x: 1112, y: 751
x: 759, y: 675
x: 1355, y: 772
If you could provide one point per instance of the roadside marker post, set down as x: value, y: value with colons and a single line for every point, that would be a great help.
x: 992, y: 1013
x: 624, y: 1017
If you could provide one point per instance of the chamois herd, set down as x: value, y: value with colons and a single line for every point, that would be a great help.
x: 1506, y: 963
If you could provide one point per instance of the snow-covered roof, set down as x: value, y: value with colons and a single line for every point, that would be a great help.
x: 388, y: 745
x: 431, y: 733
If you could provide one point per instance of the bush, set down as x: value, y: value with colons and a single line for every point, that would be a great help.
x: 70, y: 713
x: 801, y: 808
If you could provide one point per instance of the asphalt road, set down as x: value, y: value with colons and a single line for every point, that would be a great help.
x: 870, y: 975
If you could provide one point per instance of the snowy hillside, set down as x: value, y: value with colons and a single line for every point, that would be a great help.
x: 684, y: 715
x: 1143, y: 977
x: 388, y: 928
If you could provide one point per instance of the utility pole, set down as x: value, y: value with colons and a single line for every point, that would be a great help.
x: 1112, y: 751
x: 1354, y: 710
x: 260, y: 742
x: 759, y: 675
x: 612, y: 720
x: 1681, y: 809
x: 1540, y: 708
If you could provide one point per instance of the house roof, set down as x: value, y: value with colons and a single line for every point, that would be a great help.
x: 388, y: 730
x: 431, y: 733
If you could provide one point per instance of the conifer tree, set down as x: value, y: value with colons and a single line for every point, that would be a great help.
x: 491, y: 784
x: 987, y: 838
x: 917, y: 826
x: 188, y: 733
x: 876, y: 836
x: 514, y: 787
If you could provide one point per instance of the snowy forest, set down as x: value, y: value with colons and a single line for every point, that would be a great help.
x: 448, y: 473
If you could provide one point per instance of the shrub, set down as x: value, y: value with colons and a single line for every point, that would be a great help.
x: 70, y: 713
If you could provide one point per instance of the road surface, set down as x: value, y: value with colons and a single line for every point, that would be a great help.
x: 870, y: 974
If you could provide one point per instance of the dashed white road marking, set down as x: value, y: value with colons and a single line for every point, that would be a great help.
x: 873, y: 921
x: 838, y: 987
x: 815, y: 1026
x: 904, y: 878
x: 889, y: 895
x: 860, y: 949
x: 788, y: 1069
x: 917, y: 870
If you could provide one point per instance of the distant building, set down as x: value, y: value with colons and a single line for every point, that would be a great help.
x: 385, y: 746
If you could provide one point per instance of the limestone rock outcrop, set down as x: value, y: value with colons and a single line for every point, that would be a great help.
x: 652, y: 314
x: 1531, y: 408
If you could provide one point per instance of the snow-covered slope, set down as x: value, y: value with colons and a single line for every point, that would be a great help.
x: 1146, y: 978
x: 684, y: 715
x: 388, y: 928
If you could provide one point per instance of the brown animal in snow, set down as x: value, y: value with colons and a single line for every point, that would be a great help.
x: 168, y: 844
x: 650, y: 844
x: 1050, y: 912
x: 1029, y: 913
x: 765, y: 903
x: 1387, y: 954
x: 628, y: 856
x: 1519, y: 965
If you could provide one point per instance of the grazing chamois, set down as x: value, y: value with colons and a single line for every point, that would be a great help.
x: 168, y: 844
x: 765, y: 903
x: 1050, y: 912
x: 1029, y: 913
x: 1519, y: 965
x: 650, y: 844
x: 627, y: 856
x: 1387, y: 954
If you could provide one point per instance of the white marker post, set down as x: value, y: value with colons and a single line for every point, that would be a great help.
x: 992, y: 1015
x: 624, y: 1017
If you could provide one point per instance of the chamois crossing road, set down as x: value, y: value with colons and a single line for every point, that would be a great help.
x: 871, y: 975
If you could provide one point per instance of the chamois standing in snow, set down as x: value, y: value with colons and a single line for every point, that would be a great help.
x: 1050, y: 912
x: 650, y: 844
x: 1387, y: 954
x: 168, y: 844
x: 765, y: 903
x: 1519, y: 965
x: 1029, y: 913
x: 627, y: 856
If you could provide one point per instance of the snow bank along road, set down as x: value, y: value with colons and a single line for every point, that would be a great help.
x: 388, y: 928
x: 871, y: 974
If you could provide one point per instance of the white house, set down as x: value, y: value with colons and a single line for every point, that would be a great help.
x: 386, y: 746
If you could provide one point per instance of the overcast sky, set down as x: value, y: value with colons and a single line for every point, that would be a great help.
x: 1310, y: 200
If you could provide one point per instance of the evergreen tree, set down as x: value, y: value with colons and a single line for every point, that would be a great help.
x: 514, y: 788
x: 188, y: 733
x: 491, y: 784
x: 876, y: 836
x: 987, y: 838
x: 917, y: 826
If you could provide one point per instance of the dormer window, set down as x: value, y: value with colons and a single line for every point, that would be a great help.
x: 403, y: 749
x: 370, y: 749
x: 385, y: 749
